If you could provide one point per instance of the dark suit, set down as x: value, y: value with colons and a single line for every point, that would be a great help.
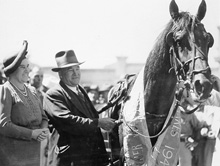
x: 81, y: 141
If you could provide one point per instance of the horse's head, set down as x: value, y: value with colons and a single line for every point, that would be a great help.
x: 189, y: 46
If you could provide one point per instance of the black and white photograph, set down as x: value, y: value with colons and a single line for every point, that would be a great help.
x: 109, y: 83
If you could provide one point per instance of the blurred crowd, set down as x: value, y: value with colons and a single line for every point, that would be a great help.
x: 98, y: 94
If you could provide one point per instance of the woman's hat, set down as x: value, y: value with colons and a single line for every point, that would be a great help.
x: 65, y: 59
x: 11, y: 63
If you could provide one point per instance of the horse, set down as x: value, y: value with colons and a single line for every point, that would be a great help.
x: 177, y: 65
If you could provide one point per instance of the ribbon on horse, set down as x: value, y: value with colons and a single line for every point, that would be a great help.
x: 138, y: 149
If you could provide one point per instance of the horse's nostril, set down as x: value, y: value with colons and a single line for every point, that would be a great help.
x: 203, y: 88
x: 198, y: 87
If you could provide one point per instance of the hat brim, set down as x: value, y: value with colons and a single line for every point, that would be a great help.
x: 65, y: 66
x: 17, y: 61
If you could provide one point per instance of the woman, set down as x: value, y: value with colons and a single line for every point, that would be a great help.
x: 23, y: 123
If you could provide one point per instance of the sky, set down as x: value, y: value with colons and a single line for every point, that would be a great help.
x: 98, y: 31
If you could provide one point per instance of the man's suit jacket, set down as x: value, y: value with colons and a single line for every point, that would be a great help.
x: 76, y: 122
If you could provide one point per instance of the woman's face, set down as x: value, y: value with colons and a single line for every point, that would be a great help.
x: 21, y: 74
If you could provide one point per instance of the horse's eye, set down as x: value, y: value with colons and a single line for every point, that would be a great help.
x: 178, y: 42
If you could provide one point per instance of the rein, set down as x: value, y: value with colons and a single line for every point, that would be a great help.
x: 121, y: 93
x: 175, y: 104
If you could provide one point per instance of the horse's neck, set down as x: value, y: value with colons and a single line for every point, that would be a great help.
x: 159, y: 86
x: 159, y: 93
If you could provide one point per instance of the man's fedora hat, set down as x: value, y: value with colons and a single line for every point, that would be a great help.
x: 65, y: 59
x: 11, y: 63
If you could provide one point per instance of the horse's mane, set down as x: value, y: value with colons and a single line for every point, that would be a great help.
x: 157, y: 74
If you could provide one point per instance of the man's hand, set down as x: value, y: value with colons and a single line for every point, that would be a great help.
x: 107, y: 123
x: 191, y: 143
x: 204, y: 131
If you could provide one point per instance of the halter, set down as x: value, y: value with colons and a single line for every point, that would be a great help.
x: 186, y: 77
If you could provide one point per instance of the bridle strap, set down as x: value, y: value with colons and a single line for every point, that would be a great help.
x: 174, y: 66
x: 193, y: 110
x: 178, y: 66
x: 193, y: 41
x: 175, y: 53
x: 121, y: 93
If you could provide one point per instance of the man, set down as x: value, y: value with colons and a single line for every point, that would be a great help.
x: 36, y: 79
x: 190, y: 127
x: 3, y: 79
x: 202, y: 155
x: 74, y: 117
x: 93, y: 94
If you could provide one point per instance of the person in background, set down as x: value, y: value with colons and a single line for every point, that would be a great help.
x: 36, y: 79
x: 104, y: 90
x: 2, y: 77
x: 208, y: 114
x: 23, y: 123
x: 210, y: 117
x: 190, y: 127
x: 93, y: 94
x: 216, y: 82
x: 208, y: 150
x: 102, y: 100
x: 74, y: 117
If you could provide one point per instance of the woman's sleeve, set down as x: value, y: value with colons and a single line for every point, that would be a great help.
x: 44, y: 123
x: 214, y: 99
x: 7, y: 128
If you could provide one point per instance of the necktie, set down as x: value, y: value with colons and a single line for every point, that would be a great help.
x: 80, y: 94
x: 40, y: 95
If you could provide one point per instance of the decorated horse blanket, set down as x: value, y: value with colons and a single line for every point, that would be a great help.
x: 138, y: 149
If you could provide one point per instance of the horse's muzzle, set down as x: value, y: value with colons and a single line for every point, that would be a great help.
x: 202, y: 87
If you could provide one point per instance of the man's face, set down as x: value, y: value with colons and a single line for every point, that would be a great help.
x: 71, y: 75
x: 37, y: 79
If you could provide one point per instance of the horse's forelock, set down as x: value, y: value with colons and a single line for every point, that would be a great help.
x: 161, y: 48
x: 185, y: 21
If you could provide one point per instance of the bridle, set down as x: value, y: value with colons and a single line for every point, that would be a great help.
x: 183, y: 74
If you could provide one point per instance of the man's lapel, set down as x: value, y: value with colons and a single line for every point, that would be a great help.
x: 86, y: 97
x: 73, y: 98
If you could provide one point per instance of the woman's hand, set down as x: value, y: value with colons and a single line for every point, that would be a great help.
x: 40, y: 134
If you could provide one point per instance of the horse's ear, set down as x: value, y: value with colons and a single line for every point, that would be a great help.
x: 201, y: 11
x: 169, y: 38
x: 174, y: 10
